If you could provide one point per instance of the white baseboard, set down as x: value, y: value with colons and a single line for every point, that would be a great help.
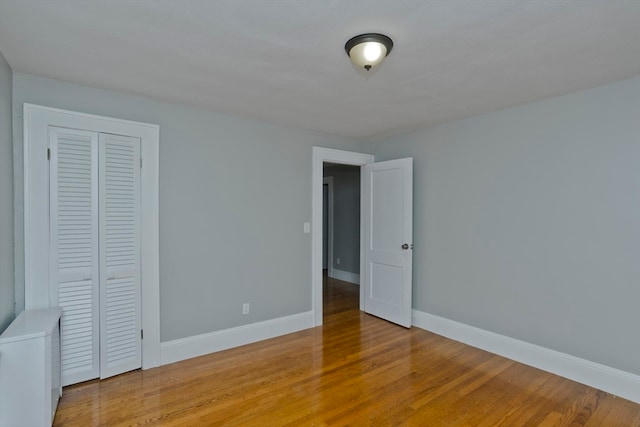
x: 611, y: 380
x: 198, y: 345
x: 346, y: 276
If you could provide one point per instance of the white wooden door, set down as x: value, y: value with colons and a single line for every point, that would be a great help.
x: 95, y: 251
x: 388, y: 220
x: 119, y: 189
x: 73, y: 263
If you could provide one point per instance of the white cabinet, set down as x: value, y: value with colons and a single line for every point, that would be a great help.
x: 30, y: 374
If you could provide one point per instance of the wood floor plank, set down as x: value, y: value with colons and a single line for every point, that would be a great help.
x: 355, y: 370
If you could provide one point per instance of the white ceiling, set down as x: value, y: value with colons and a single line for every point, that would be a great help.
x: 284, y: 60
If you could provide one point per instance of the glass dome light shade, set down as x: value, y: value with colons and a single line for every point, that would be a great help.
x: 368, y: 50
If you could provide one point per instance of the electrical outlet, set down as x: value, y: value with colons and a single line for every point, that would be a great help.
x: 338, y: 261
x: 245, y: 308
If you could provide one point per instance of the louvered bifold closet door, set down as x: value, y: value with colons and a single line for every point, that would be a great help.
x: 120, y: 341
x: 73, y: 264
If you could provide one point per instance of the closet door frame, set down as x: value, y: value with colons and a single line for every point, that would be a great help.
x: 37, y: 120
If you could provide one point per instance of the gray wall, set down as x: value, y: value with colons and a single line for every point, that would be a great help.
x: 6, y: 198
x: 234, y: 194
x: 346, y: 217
x: 527, y: 222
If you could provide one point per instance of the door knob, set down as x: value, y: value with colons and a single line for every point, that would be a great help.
x: 405, y: 246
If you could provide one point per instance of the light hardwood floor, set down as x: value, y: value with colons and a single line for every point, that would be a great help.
x: 355, y: 370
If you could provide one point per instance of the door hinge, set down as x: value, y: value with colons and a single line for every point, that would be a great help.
x: 141, y: 334
x: 140, y: 162
x: 48, y: 153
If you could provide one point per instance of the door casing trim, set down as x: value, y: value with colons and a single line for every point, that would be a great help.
x: 36, y: 210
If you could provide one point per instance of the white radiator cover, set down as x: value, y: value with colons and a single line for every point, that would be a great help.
x: 30, y: 373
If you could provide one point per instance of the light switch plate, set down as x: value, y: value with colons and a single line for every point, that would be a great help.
x: 307, y: 227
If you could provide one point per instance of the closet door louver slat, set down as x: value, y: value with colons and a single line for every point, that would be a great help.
x: 74, y: 249
x: 120, y: 348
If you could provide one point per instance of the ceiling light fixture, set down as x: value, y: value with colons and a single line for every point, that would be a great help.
x: 368, y: 50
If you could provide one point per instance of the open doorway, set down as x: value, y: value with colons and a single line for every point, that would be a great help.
x: 341, y: 235
x: 320, y: 157
x: 341, y: 221
x: 386, y: 234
